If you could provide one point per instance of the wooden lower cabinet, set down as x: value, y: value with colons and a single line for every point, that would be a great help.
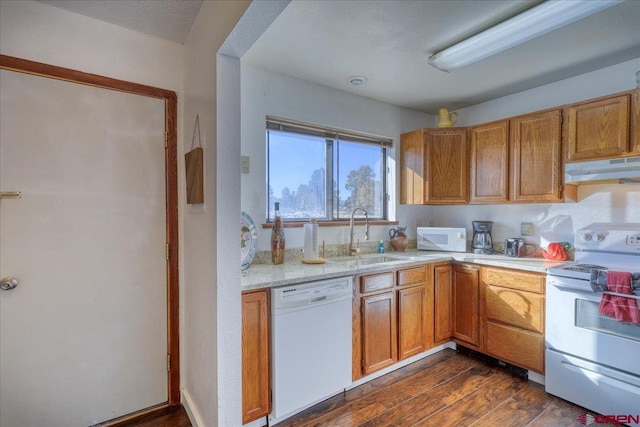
x: 514, y: 345
x: 466, y: 304
x: 443, y: 297
x: 514, y: 316
x: 379, y: 342
x: 415, y: 311
x: 393, y: 318
x: 256, y: 378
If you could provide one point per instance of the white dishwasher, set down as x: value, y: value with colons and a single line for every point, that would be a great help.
x: 310, y: 344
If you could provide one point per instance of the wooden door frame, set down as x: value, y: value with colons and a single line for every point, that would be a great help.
x: 171, y: 178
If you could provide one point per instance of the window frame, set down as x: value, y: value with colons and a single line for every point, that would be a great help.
x: 331, y: 136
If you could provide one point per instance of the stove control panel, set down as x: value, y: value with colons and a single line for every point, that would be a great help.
x: 633, y: 240
x: 620, y: 238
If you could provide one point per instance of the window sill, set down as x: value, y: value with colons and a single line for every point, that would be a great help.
x: 300, y: 224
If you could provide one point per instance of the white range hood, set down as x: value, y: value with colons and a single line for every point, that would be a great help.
x: 622, y: 170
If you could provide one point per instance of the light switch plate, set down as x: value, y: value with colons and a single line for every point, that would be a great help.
x: 244, y: 164
x: 526, y: 229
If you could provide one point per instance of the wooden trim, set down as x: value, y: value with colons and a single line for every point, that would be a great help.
x: 59, y: 73
x: 171, y: 170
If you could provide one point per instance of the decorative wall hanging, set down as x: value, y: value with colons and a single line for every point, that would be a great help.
x: 193, y: 161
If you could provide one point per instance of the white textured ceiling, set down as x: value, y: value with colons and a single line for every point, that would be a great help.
x: 166, y: 19
x: 389, y: 43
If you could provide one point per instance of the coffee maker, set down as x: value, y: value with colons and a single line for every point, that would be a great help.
x: 482, y: 243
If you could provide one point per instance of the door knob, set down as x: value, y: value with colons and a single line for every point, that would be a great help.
x: 8, y: 283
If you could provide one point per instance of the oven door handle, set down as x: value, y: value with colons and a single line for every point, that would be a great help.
x: 632, y: 296
x: 598, y: 377
x: 592, y: 295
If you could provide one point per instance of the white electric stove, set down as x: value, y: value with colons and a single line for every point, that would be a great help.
x: 593, y: 360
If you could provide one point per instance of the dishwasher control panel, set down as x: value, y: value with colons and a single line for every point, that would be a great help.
x: 311, y: 292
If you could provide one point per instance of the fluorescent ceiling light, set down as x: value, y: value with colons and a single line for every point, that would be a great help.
x: 541, y: 19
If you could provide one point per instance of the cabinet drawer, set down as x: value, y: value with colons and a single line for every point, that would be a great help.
x: 516, y: 308
x: 376, y: 282
x: 517, y: 346
x: 513, y: 279
x: 412, y: 276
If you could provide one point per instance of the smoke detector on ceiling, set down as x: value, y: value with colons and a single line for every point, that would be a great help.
x: 357, y: 80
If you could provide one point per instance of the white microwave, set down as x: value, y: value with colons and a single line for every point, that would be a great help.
x: 442, y: 239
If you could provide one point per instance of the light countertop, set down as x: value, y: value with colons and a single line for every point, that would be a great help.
x: 260, y: 276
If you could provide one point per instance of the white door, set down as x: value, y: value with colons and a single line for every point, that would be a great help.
x: 83, y: 337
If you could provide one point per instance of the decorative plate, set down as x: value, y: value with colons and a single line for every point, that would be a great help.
x: 248, y: 240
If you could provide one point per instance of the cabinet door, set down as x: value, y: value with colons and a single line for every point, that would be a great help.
x: 443, y: 327
x: 379, y: 337
x: 412, y: 168
x: 411, y: 321
x: 535, y: 145
x: 514, y: 345
x: 634, y: 125
x: 489, y: 162
x: 466, y: 296
x: 448, y: 166
x: 598, y: 128
x: 516, y: 308
x: 255, y: 356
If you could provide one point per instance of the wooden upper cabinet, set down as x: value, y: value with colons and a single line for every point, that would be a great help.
x: 434, y: 167
x: 490, y: 162
x: 412, y: 168
x: 256, y: 386
x: 634, y: 125
x: 447, y: 160
x: 536, y: 158
x: 598, y: 128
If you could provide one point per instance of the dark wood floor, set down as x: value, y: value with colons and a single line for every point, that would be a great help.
x: 445, y: 389
x: 174, y: 416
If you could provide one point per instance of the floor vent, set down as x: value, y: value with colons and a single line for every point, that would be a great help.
x: 520, y: 372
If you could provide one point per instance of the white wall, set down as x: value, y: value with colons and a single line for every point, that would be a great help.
x: 267, y: 93
x: 553, y: 222
x: 42, y: 33
x: 211, y: 339
x: 38, y: 32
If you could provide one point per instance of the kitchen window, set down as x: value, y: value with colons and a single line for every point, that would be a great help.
x: 321, y: 173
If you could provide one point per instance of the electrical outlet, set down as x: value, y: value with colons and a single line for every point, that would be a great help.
x: 244, y: 164
x: 526, y: 229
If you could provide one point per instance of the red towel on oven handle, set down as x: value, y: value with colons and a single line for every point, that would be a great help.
x: 621, y: 308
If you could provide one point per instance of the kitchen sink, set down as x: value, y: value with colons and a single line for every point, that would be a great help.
x: 357, y: 261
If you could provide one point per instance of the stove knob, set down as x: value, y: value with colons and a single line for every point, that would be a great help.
x: 586, y: 237
x: 598, y: 238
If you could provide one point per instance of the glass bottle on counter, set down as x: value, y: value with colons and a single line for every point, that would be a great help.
x: 277, y: 238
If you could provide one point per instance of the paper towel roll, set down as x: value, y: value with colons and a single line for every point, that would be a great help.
x: 311, y: 241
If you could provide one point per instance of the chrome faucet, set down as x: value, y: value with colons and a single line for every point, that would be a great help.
x: 354, y: 250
